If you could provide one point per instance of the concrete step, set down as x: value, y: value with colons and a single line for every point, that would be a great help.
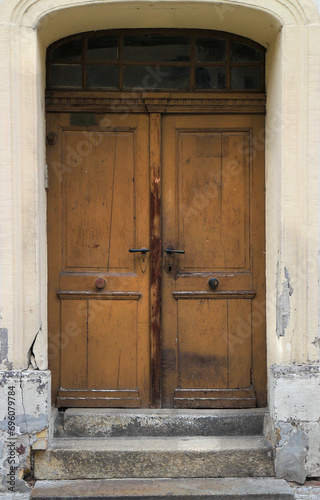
x: 156, y: 489
x: 118, y: 423
x: 159, y: 457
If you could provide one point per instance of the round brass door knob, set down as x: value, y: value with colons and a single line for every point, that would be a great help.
x: 100, y: 283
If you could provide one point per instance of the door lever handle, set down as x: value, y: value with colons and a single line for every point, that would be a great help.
x: 141, y: 250
x: 171, y: 250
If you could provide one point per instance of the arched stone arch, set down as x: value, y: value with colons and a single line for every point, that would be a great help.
x: 288, y: 13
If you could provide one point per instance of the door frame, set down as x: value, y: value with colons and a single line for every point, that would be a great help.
x: 156, y: 104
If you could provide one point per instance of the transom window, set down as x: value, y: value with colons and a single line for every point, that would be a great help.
x: 156, y: 60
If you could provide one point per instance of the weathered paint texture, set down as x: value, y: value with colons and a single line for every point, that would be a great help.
x: 29, y: 393
x: 4, y: 348
x: 283, y: 304
x: 295, y: 418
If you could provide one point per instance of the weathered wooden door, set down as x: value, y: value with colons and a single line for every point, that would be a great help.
x: 104, y: 314
x: 98, y: 209
x: 213, y: 294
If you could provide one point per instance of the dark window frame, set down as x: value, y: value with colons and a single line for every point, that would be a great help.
x: 120, y: 63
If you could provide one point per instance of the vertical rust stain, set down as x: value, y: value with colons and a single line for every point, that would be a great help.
x: 155, y: 247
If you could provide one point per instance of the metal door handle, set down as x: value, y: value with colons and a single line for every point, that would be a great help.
x: 171, y: 250
x: 141, y: 250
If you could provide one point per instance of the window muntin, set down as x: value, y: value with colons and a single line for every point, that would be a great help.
x: 133, y: 60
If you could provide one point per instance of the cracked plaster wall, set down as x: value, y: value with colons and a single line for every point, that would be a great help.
x: 32, y: 412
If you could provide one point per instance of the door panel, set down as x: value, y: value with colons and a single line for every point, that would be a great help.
x: 98, y: 208
x: 208, y: 192
x: 201, y: 360
x: 73, y: 344
x: 90, y: 243
x: 116, y: 363
x: 213, y: 206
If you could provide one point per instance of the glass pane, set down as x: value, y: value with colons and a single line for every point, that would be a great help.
x: 102, y: 76
x: 240, y: 52
x: 68, y: 51
x: 103, y: 48
x: 211, y: 49
x: 156, y: 48
x: 156, y: 77
x: 246, y: 78
x: 66, y: 75
x: 211, y: 78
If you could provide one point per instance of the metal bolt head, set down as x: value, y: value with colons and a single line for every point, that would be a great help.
x: 100, y: 283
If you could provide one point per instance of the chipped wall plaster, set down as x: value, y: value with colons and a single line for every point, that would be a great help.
x: 4, y: 349
x: 291, y: 453
x: 294, y: 426
x: 25, y: 395
x: 283, y: 303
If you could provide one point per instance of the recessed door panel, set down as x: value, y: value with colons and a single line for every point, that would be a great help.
x: 112, y: 324
x: 97, y: 231
x: 203, y: 351
x: 213, y: 188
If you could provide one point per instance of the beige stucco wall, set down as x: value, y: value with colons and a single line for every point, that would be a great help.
x: 289, y: 31
x: 292, y: 160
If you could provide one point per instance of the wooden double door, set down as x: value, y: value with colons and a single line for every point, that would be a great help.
x: 156, y: 260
